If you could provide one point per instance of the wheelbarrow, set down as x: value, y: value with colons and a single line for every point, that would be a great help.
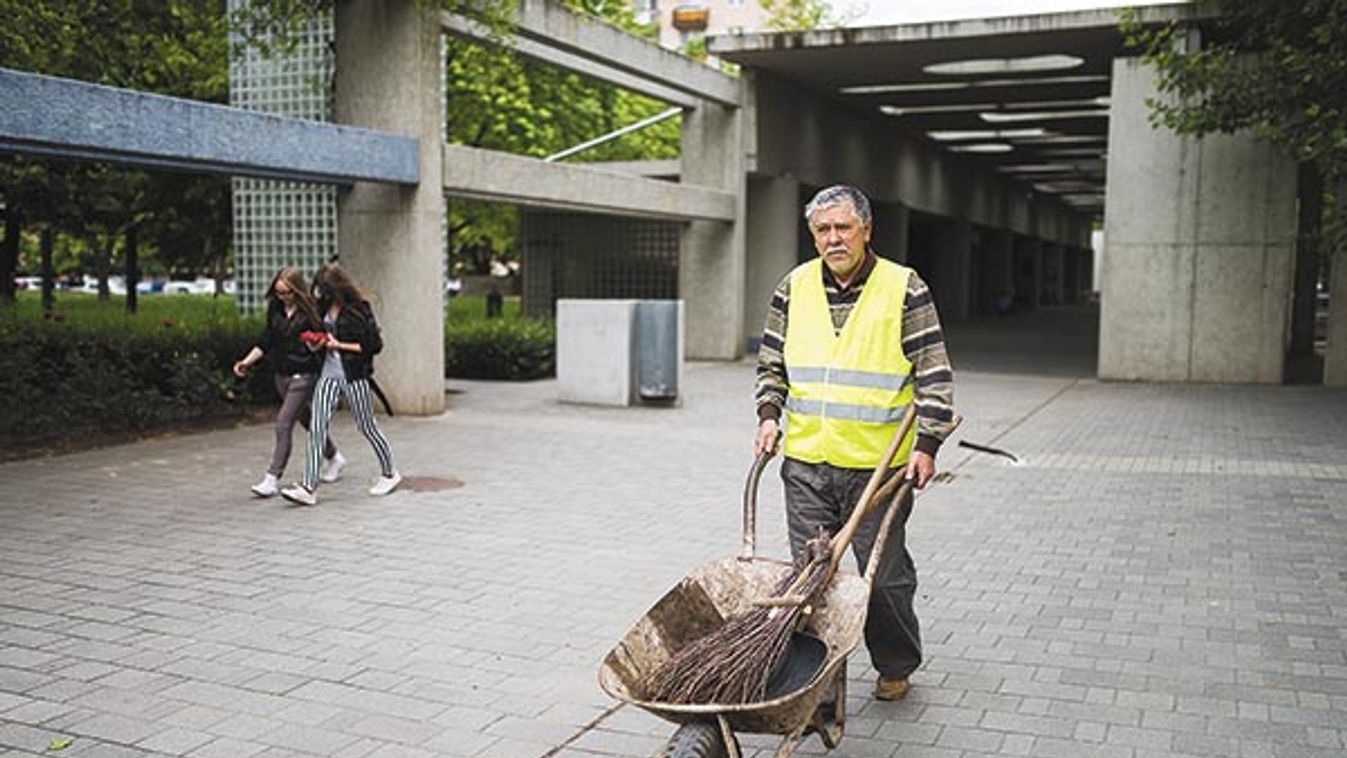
x: 806, y: 693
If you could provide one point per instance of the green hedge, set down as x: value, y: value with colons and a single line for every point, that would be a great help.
x: 89, y: 367
x: 92, y: 368
x: 501, y: 348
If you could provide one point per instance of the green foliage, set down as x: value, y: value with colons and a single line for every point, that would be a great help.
x: 170, y: 47
x: 1273, y: 67
x: 803, y: 15
x: 499, y: 100
x: 515, y: 349
x: 88, y: 366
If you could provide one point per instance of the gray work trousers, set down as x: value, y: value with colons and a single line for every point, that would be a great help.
x: 820, y: 495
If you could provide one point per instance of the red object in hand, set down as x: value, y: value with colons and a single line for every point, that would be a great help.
x: 313, y: 338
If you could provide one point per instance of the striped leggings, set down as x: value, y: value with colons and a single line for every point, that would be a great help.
x: 325, y: 397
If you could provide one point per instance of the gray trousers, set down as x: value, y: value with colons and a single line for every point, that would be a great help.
x: 296, y: 391
x: 820, y: 495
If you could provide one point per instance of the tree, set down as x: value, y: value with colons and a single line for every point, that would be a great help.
x: 1277, y: 69
x: 802, y: 15
x: 171, y: 47
x: 499, y: 100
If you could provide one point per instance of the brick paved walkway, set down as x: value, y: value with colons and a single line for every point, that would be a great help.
x: 1164, y: 574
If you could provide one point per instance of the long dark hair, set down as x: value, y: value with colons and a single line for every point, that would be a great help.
x: 331, y: 284
x: 294, y: 281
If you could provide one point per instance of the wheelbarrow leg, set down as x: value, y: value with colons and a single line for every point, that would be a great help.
x: 829, y: 719
x: 727, y: 736
x: 791, y: 742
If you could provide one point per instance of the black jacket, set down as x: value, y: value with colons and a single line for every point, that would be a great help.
x: 281, y: 343
x: 356, y: 324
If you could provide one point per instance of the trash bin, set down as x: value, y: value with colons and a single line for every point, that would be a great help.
x: 658, y: 349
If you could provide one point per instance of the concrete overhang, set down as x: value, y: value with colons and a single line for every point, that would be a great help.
x: 64, y: 118
x: 1023, y: 96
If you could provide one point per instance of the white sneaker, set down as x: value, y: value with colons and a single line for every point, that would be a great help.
x: 298, y: 493
x: 332, y: 468
x: 386, y: 484
x: 266, y: 487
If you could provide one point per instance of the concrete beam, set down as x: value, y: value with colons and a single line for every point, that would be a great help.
x: 553, y: 26
x: 501, y: 177
x: 545, y: 53
x: 64, y: 118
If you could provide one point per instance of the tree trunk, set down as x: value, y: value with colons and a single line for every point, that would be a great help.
x: 102, y: 264
x: 1302, y: 366
x: 132, y: 267
x: 9, y: 254
x: 48, y: 271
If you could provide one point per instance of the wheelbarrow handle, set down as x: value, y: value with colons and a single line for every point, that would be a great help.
x: 751, y: 503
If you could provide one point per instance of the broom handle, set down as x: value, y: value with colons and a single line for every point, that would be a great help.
x: 895, y: 504
x: 842, y: 539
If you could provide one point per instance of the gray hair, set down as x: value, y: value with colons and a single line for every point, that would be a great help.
x: 837, y: 195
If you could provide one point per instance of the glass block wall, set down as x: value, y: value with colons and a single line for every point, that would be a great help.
x: 282, y: 223
x: 582, y: 255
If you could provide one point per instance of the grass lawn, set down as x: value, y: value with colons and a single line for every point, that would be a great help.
x: 86, y: 313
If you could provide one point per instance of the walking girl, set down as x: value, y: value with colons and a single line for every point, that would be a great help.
x: 291, y: 311
x: 352, y: 342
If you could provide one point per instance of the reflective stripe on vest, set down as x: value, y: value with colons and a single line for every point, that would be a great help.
x: 848, y: 390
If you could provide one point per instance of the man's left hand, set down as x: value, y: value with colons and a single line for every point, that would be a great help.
x: 920, y: 468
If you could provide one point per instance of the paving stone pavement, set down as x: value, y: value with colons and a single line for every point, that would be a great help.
x: 1163, y: 574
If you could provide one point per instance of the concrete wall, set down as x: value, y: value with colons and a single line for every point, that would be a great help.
x: 389, y: 236
x: 774, y: 217
x: 1201, y: 234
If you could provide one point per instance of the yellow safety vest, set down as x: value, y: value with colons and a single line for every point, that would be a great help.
x: 848, y: 390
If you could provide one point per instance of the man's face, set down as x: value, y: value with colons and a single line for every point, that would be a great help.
x: 840, y: 238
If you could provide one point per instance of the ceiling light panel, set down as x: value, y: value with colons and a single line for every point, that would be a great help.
x: 1030, y: 64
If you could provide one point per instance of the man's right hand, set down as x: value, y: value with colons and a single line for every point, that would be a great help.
x: 765, y: 442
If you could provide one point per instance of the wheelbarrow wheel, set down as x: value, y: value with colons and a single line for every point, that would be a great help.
x: 699, y: 739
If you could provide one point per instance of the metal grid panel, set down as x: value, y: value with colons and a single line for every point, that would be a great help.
x: 579, y: 255
x: 282, y: 223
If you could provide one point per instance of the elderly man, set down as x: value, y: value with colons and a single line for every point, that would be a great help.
x: 860, y: 333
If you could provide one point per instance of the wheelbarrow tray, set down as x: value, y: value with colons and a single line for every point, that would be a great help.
x: 699, y: 604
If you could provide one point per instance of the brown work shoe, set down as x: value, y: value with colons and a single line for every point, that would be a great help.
x: 890, y: 689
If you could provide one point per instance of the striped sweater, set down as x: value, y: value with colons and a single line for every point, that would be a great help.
x: 923, y: 345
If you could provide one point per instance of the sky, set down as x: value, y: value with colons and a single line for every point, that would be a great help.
x: 881, y: 12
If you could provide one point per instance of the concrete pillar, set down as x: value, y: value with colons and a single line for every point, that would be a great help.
x: 998, y: 259
x: 712, y: 267
x: 1335, y: 357
x: 1071, y: 275
x: 950, y: 269
x: 389, y: 237
x: 1051, y: 280
x: 1086, y: 281
x: 1028, y: 272
x: 1201, y: 243
x: 774, y: 218
x: 890, y: 231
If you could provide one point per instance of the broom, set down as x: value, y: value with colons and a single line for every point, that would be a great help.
x: 732, y: 664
